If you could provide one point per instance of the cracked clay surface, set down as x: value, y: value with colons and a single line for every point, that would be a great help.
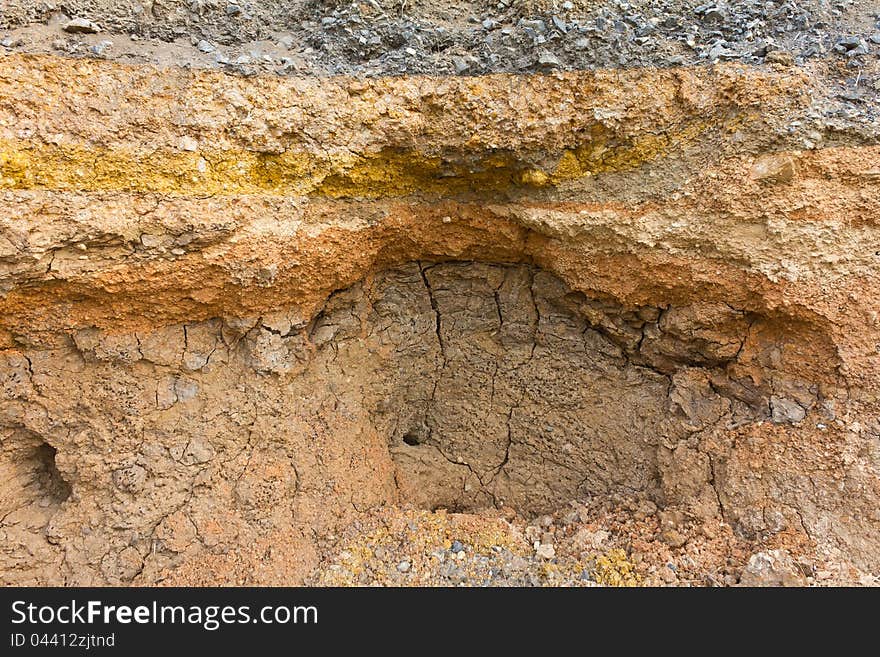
x: 457, y: 385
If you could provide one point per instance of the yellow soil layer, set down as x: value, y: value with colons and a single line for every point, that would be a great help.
x: 100, y: 126
x: 24, y: 165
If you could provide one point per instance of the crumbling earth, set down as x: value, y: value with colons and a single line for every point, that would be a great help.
x: 262, y: 325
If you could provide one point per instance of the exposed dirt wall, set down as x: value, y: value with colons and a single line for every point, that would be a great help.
x: 237, y: 314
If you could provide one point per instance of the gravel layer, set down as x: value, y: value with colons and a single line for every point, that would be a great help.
x: 381, y: 37
x: 613, y: 541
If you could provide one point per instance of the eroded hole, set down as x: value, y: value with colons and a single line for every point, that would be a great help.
x: 48, y: 477
x: 411, y: 439
x: 30, y: 476
x: 519, y: 391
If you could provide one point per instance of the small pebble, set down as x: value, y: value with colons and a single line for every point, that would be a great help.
x: 545, y: 551
x: 548, y: 60
x: 101, y: 47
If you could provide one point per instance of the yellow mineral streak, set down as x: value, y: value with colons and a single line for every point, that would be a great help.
x: 614, y: 569
x: 32, y: 165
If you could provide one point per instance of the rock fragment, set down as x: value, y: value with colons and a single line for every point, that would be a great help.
x: 772, y: 568
x: 548, y: 60
x: 786, y: 411
x: 101, y: 48
x: 81, y: 26
x: 773, y: 169
x: 545, y: 551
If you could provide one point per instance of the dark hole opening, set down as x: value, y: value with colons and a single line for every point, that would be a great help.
x: 411, y: 438
x: 50, y: 478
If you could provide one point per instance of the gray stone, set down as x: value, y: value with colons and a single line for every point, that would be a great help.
x: 786, y: 411
x: 713, y: 15
x: 548, y: 60
x: 848, y: 43
x: 81, y: 26
x: 185, y: 389
x: 772, y: 568
x: 719, y: 51
x: 536, y: 25
x: 862, y: 49
x: 101, y: 48
x: 461, y: 64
